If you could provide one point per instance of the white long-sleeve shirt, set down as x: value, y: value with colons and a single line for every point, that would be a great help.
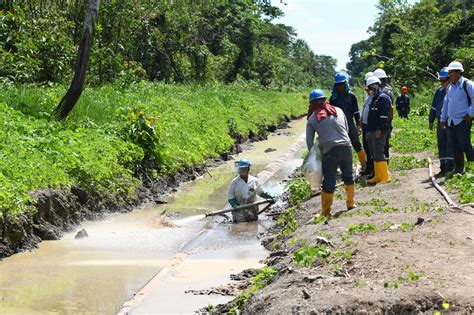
x: 244, y: 192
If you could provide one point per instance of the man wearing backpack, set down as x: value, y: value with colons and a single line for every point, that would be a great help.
x: 457, y: 115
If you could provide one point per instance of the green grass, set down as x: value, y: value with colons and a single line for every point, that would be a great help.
x: 307, y: 255
x: 111, y: 130
x: 407, y: 162
x: 362, y: 228
x: 263, y: 277
x: 464, y: 184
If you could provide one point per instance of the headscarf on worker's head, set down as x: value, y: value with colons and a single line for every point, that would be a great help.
x: 340, y: 77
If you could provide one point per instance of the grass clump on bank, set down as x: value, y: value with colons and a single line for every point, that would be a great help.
x: 113, y: 133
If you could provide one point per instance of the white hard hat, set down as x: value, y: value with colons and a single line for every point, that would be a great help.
x: 455, y: 65
x: 380, y: 73
x: 371, y: 80
x: 368, y: 75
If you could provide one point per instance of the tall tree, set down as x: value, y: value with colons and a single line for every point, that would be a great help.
x: 69, y: 100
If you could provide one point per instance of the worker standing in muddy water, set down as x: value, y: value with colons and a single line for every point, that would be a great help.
x: 403, y: 103
x: 378, y: 127
x: 458, y: 112
x: 445, y: 148
x: 343, y: 98
x: 330, y: 124
x: 243, y: 190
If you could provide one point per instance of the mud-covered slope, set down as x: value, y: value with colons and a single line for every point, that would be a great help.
x: 400, y: 251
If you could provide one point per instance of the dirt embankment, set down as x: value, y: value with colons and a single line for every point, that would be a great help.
x: 58, y: 211
x: 400, y: 251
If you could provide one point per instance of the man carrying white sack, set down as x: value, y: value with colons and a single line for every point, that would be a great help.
x: 330, y: 124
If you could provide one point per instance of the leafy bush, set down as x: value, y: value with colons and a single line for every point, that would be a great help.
x: 307, y: 254
x: 114, y: 131
x: 299, y: 190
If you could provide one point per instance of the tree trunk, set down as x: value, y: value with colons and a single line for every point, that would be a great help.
x: 77, y: 85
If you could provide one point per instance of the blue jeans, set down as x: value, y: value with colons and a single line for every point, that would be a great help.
x: 339, y: 156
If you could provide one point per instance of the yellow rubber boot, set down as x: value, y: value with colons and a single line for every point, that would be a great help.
x: 362, y: 159
x: 326, y: 203
x: 377, y: 173
x: 385, y: 173
x: 350, y: 193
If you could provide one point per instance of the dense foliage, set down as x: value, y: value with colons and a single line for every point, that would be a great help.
x: 193, y: 41
x: 114, y: 132
x: 412, y: 42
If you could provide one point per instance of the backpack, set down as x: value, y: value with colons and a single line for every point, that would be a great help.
x: 464, y: 86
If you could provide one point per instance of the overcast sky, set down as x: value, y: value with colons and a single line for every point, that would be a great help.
x: 330, y: 27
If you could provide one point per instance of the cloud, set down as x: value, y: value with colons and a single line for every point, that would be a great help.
x: 330, y: 27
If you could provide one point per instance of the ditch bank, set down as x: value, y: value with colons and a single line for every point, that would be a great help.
x: 59, y: 211
x: 400, y: 251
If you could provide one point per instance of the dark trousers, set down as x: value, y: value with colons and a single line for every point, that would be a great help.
x: 403, y: 112
x: 445, y: 149
x: 386, y: 150
x: 365, y: 142
x: 460, y: 136
x: 339, y: 156
x: 378, y: 145
x: 354, y: 136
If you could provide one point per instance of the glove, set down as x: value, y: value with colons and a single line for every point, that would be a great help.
x: 268, y: 196
x: 233, y: 202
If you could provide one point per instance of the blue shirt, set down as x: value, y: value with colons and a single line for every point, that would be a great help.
x: 456, y: 106
x: 437, y: 104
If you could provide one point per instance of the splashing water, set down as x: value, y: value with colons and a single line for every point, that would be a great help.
x: 189, y: 220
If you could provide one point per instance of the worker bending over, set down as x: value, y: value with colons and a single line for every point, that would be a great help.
x: 243, y: 190
x: 330, y: 124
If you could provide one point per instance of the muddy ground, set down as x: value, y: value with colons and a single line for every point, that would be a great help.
x: 400, y: 251
x: 58, y: 211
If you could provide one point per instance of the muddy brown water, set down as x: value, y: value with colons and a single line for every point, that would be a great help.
x: 124, y: 251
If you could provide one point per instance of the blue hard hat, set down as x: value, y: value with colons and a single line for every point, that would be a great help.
x: 316, y: 94
x: 340, y: 77
x: 443, y: 73
x: 242, y: 163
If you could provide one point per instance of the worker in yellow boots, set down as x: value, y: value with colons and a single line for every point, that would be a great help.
x: 378, y: 127
x: 330, y: 124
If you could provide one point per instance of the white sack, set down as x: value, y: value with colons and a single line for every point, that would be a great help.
x: 313, y: 168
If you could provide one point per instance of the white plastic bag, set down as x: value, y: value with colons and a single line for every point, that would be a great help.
x: 313, y: 168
